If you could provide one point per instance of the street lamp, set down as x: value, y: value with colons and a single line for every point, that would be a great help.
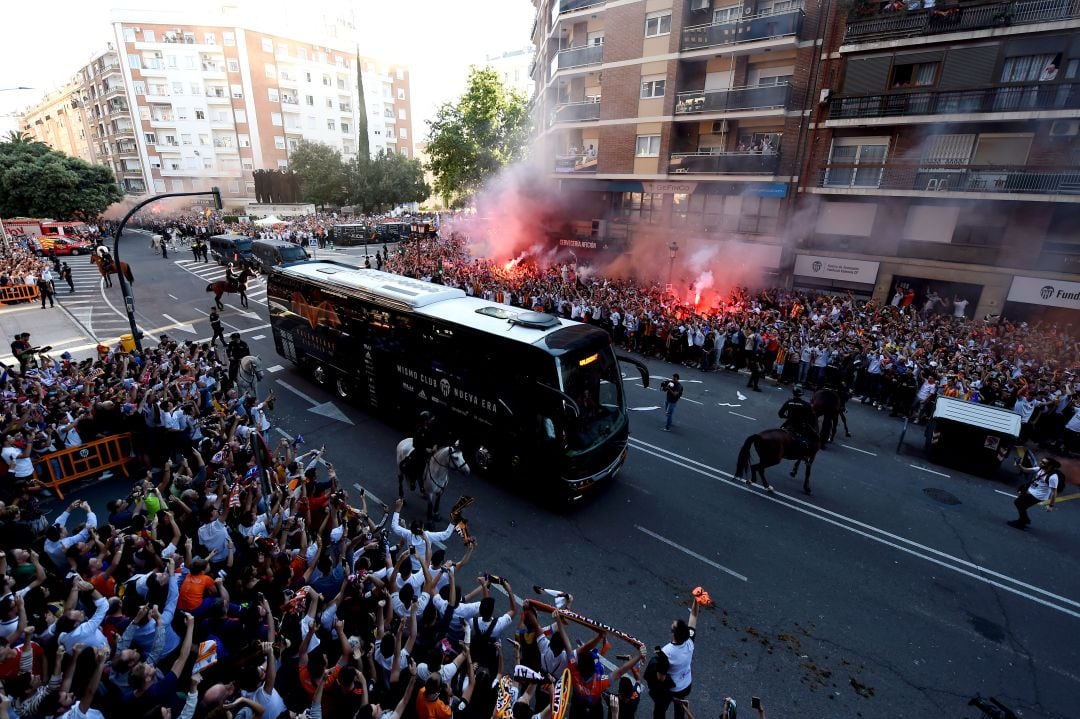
x: 673, y: 250
x: 125, y: 289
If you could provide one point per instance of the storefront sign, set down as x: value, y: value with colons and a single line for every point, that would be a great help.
x: 669, y: 188
x: 1049, y: 293
x: 835, y: 268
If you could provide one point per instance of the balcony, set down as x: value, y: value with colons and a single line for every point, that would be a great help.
x: 221, y: 146
x: 213, y: 68
x: 577, y: 111
x: 766, y: 26
x: 759, y: 97
x: 125, y: 150
x: 123, y: 132
x: 219, y: 97
x: 730, y: 163
x: 577, y: 57
x: 1029, y: 97
x: 916, y: 178
x: 868, y: 22
x: 562, y: 7
x: 289, y: 100
x: 575, y: 163
x: 116, y: 90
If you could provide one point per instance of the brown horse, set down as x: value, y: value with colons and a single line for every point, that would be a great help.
x: 111, y: 269
x: 222, y: 286
x: 831, y: 405
x: 768, y: 448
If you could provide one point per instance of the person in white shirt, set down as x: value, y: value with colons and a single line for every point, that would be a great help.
x: 416, y: 537
x: 57, y: 539
x: 74, y: 627
x: 1043, y: 488
x: 680, y: 655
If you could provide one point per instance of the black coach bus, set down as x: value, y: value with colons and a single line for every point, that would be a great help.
x: 353, y: 234
x: 528, y: 394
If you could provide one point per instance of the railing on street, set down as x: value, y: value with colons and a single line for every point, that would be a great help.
x: 733, y: 163
x: 945, y: 177
x: 87, y: 459
x: 1005, y: 98
x: 12, y: 294
x: 883, y: 24
x: 575, y: 111
x: 759, y: 97
x: 579, y: 57
x: 753, y: 27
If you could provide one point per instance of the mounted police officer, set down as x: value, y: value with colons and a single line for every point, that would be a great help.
x: 236, y: 350
x: 231, y: 278
x: 425, y: 442
x: 799, y: 418
x: 105, y: 257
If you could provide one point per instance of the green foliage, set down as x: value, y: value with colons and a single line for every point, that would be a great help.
x: 38, y: 182
x: 363, y: 149
x: 321, y: 171
x: 230, y: 219
x: 470, y: 140
x: 387, y: 180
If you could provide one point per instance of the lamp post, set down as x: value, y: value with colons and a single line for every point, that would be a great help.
x: 673, y: 250
x: 125, y: 289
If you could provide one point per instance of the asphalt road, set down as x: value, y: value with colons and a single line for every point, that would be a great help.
x: 896, y: 590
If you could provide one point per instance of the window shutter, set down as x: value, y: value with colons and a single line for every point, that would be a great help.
x: 867, y: 76
x: 948, y: 149
x: 969, y: 67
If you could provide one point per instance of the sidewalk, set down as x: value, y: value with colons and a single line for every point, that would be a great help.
x: 53, y: 326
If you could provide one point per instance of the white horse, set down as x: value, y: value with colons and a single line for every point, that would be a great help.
x: 249, y: 376
x: 436, y: 473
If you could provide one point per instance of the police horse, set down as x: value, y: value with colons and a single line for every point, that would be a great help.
x: 249, y: 376
x: 238, y: 285
x: 435, y: 475
x: 831, y: 406
x: 107, y: 266
x: 768, y: 447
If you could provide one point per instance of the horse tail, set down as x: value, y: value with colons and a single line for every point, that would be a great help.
x: 743, y: 462
x: 210, y: 287
x: 127, y: 273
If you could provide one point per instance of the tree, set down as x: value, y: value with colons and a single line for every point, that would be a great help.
x: 387, y: 180
x: 321, y: 171
x: 362, y: 147
x: 470, y: 140
x: 36, y: 181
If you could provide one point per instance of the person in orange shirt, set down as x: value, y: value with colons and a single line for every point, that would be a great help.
x: 102, y: 578
x: 432, y: 700
x: 197, y: 590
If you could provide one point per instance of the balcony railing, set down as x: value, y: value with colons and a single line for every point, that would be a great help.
x: 754, y: 27
x: 576, y: 111
x: 578, y: 57
x: 572, y: 5
x: 1008, y: 98
x: 732, y: 163
x: 760, y: 97
x: 868, y: 22
x: 575, y: 163
x: 1021, y: 179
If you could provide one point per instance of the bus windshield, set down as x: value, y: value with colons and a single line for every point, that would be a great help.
x: 293, y: 254
x: 592, y: 381
x: 243, y: 245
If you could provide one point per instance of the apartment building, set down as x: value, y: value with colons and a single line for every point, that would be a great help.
x: 89, y: 118
x: 181, y: 108
x: 513, y: 69
x: 677, y: 118
x: 945, y: 155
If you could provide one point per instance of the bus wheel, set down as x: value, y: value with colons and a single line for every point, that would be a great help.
x: 321, y: 375
x: 343, y: 388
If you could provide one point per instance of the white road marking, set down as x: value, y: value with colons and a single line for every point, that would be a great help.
x: 858, y: 450
x: 182, y: 326
x: 692, y: 400
x: 903, y: 544
x: 643, y: 409
x: 1007, y: 494
x: 931, y: 471
x: 689, y: 552
x: 258, y: 337
x: 741, y: 396
x: 754, y: 419
x: 727, y: 404
x: 174, y: 297
x: 275, y: 368
x: 297, y: 392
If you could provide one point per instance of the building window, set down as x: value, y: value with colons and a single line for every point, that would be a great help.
x: 140, y: 87
x: 401, y: 93
x: 232, y: 65
x: 648, y: 146
x: 228, y: 38
x: 129, y: 34
x: 403, y: 133
x: 243, y: 140
x: 185, y: 139
x: 401, y: 114
x: 326, y: 80
x: 208, y: 163
x: 302, y: 53
x: 658, y: 24
x: 283, y: 49
x: 204, y: 139
x: 849, y: 152
x: 330, y: 103
x: 196, y: 88
x: 134, y: 61
x: 330, y: 125
x: 345, y: 127
x: 651, y: 87
x: 341, y: 83
x: 237, y: 91
x: 150, y: 137
x: 181, y: 113
x: 1029, y: 68
x: 339, y: 61
x: 310, y: 100
x: 399, y: 73
x: 272, y: 93
x: 279, y: 142
x: 914, y: 74
x: 200, y: 115
x: 267, y: 45
x: 270, y: 70
x: 275, y: 119
x: 641, y: 206
x: 307, y: 77
x: 209, y: 38
x: 404, y: 151
x: 241, y: 116
x: 722, y: 15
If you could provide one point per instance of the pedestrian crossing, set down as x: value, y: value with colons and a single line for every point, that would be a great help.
x: 102, y: 319
x: 212, y: 272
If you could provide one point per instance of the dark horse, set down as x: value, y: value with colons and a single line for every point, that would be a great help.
x: 831, y: 405
x: 110, y: 269
x: 221, y: 287
x: 770, y: 446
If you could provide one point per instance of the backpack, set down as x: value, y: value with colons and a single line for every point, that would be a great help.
x: 484, y: 648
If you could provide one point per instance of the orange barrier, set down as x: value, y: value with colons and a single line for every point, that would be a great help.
x: 69, y: 465
x: 19, y: 293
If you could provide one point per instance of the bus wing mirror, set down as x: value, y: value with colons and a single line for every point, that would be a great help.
x: 641, y: 368
x: 505, y: 407
x: 568, y: 402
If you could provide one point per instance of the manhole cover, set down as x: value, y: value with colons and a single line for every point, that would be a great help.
x: 940, y: 495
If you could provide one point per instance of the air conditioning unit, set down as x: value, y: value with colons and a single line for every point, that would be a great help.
x: 719, y: 127
x: 823, y: 98
x: 1064, y: 128
x: 698, y: 5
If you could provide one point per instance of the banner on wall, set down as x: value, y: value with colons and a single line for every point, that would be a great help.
x: 837, y: 268
x: 1049, y: 293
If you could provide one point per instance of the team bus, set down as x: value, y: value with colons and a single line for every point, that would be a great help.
x: 529, y: 395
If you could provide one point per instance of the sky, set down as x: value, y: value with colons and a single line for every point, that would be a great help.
x: 46, y: 42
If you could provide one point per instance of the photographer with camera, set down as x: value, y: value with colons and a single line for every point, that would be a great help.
x: 673, y: 391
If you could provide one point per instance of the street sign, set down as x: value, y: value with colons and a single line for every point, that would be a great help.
x: 312, y: 242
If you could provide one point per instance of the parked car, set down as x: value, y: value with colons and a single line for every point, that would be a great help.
x: 67, y: 246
